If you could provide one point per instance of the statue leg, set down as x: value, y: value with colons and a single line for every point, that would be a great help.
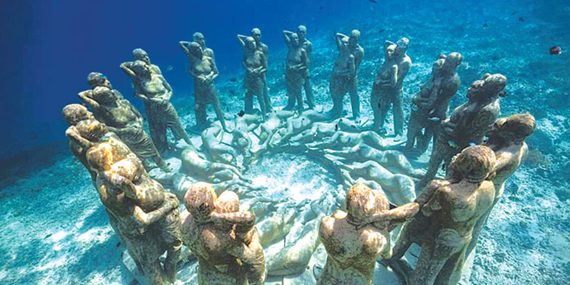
x: 170, y: 232
x: 266, y: 97
x: 414, y: 129
x: 398, y: 113
x: 290, y: 93
x: 200, y: 111
x: 172, y: 121
x: 336, y: 95
x: 156, y: 126
x: 309, y: 91
x: 218, y: 110
x: 299, y: 98
x: 439, y: 153
x: 354, y: 99
x: 375, y: 105
x: 248, y: 108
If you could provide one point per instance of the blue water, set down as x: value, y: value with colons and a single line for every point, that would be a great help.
x: 48, y: 48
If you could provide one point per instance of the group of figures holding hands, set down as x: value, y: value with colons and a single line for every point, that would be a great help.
x: 384, y: 192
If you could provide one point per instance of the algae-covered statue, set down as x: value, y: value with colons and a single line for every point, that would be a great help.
x: 350, y: 84
x: 142, y: 232
x: 73, y: 114
x: 255, y: 65
x: 308, y: 47
x: 203, y: 68
x: 223, y: 241
x: 296, y: 70
x: 387, y: 88
x: 153, y: 89
x: 123, y: 119
x: 506, y: 139
x: 256, y: 35
x: 468, y: 123
x: 343, y: 79
x: 430, y: 105
x: 450, y: 210
x: 356, y: 238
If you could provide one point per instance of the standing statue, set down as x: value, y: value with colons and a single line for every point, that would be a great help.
x: 203, y: 69
x: 297, y: 70
x: 123, y: 119
x: 308, y: 47
x: 96, y: 79
x: 356, y: 238
x: 222, y: 252
x: 256, y: 35
x: 343, y: 79
x: 506, y: 139
x: 468, y: 123
x: 389, y: 83
x: 450, y: 210
x: 255, y: 65
x: 430, y: 105
x: 152, y: 88
x: 351, y: 85
x: 140, y: 231
x: 73, y: 114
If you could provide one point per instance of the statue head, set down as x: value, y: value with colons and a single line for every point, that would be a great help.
x: 196, y: 50
x: 382, y: 202
x: 228, y: 202
x: 256, y: 34
x: 250, y: 44
x: 360, y: 203
x: 95, y: 79
x: 437, y: 66
x: 200, y: 200
x: 389, y: 50
x: 141, y: 69
x: 91, y: 129
x: 199, y: 38
x: 101, y: 156
x: 295, y: 40
x: 474, y: 164
x: 487, y: 87
x: 402, y: 45
x: 452, y: 61
x: 344, y: 44
x: 74, y: 113
x: 104, y: 95
x: 513, y: 128
x: 354, y: 37
x: 140, y: 54
x: 302, y: 32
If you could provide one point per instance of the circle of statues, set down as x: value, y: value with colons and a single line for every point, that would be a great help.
x: 357, y: 226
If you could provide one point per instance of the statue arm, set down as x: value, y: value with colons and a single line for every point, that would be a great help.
x: 243, y: 219
x: 351, y: 66
x: 73, y: 134
x: 125, y: 66
x: 167, y: 87
x: 428, y: 192
x: 244, y: 64
x: 286, y: 36
x: 241, y: 40
x: 338, y: 39
x: 184, y: 46
x: 214, y: 73
x: 146, y: 219
x: 85, y: 96
x: 263, y: 67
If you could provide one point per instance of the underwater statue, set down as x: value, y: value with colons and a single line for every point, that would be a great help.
x: 450, y: 210
x: 223, y: 240
x: 123, y: 119
x: 212, y: 138
x: 198, y: 38
x: 468, y: 123
x: 153, y: 89
x: 194, y: 164
x: 387, y: 88
x: 350, y: 84
x: 355, y: 239
x: 308, y: 47
x: 256, y: 35
x: 203, y: 69
x: 73, y: 114
x: 430, y: 105
x: 506, y: 139
x: 142, y: 232
x: 255, y: 65
x: 129, y: 177
x: 343, y: 79
x: 296, y: 71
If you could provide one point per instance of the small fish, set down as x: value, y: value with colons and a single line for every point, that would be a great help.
x: 241, y: 113
x: 521, y: 19
x: 320, y: 8
x: 513, y: 13
x: 118, y: 244
x: 381, y: 30
x: 336, y: 127
x: 373, y: 1
x: 469, y: 23
x: 316, y: 30
x: 485, y: 26
x: 232, y: 92
x: 169, y: 67
x: 555, y: 50
x: 233, y: 79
